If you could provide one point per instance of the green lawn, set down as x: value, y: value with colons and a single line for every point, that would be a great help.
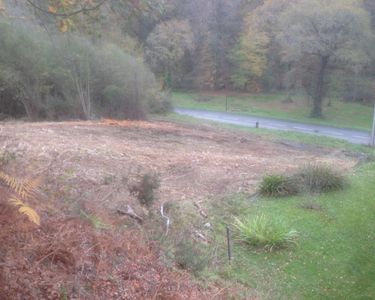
x: 334, y: 258
x: 339, y: 114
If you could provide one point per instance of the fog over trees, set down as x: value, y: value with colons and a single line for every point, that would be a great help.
x: 79, y: 58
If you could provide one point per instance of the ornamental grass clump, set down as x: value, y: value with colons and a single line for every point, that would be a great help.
x: 265, y: 233
x: 277, y: 186
x: 310, y: 179
x: 318, y: 179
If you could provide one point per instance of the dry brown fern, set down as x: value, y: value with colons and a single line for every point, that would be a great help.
x: 22, y: 190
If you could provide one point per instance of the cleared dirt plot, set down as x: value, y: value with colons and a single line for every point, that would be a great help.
x: 91, y: 167
x: 98, y: 161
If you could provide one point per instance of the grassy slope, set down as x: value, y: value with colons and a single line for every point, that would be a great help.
x: 334, y: 258
x: 340, y: 114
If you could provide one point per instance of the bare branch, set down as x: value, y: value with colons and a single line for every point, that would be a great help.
x: 201, y: 210
x: 84, y: 9
x: 130, y: 212
x: 166, y: 218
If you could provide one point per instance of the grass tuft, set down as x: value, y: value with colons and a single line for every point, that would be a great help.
x: 277, y: 186
x: 319, y: 179
x: 314, y: 179
x: 264, y: 232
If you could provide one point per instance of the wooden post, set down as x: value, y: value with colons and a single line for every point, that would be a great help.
x: 226, y: 103
x: 229, y: 243
x: 372, y: 143
x: 257, y: 124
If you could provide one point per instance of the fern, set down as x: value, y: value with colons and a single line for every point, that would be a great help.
x: 22, y: 190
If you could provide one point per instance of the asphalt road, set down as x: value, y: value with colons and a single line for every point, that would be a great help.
x: 350, y: 135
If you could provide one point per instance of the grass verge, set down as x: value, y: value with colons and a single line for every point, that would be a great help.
x: 293, y: 138
x: 338, y: 114
x: 334, y: 257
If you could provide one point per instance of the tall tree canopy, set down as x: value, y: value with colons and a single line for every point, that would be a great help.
x: 167, y: 45
x: 323, y: 33
x: 255, y: 45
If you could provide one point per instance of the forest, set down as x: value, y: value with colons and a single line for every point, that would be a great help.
x: 65, y: 59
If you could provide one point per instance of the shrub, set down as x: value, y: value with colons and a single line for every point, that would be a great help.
x: 118, y: 105
x: 266, y: 233
x: 191, y: 256
x: 124, y: 82
x: 145, y: 189
x: 6, y: 157
x: 70, y: 77
x: 277, y: 186
x: 161, y: 104
x: 318, y: 179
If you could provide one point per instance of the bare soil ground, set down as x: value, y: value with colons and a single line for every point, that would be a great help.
x: 91, y: 166
x: 98, y: 161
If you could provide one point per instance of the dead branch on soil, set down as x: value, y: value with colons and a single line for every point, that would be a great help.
x: 200, y: 236
x: 200, y: 209
x: 130, y: 212
x: 167, y: 222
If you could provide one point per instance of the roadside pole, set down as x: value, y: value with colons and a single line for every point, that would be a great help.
x: 372, y: 143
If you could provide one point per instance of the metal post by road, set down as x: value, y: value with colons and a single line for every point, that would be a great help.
x: 372, y: 143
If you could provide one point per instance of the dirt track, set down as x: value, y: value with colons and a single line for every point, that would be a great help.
x: 97, y: 162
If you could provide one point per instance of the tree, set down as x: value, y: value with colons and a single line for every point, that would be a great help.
x: 167, y: 45
x: 256, y: 57
x: 324, y: 33
x: 250, y: 56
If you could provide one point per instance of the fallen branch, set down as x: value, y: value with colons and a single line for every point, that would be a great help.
x: 200, y: 235
x: 130, y: 212
x: 83, y: 9
x: 168, y: 221
x: 201, y: 210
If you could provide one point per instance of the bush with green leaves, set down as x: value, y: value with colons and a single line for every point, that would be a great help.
x: 62, y: 76
x: 318, y: 179
x: 161, y: 104
x: 277, y: 186
x: 263, y: 232
x: 192, y: 256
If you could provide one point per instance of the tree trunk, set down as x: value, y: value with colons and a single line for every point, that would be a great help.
x: 27, y: 99
x: 30, y: 111
x: 320, y: 88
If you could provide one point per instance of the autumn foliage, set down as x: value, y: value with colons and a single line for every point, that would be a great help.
x: 67, y: 258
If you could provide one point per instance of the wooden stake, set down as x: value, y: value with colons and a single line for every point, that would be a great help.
x: 372, y: 143
x: 229, y: 243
